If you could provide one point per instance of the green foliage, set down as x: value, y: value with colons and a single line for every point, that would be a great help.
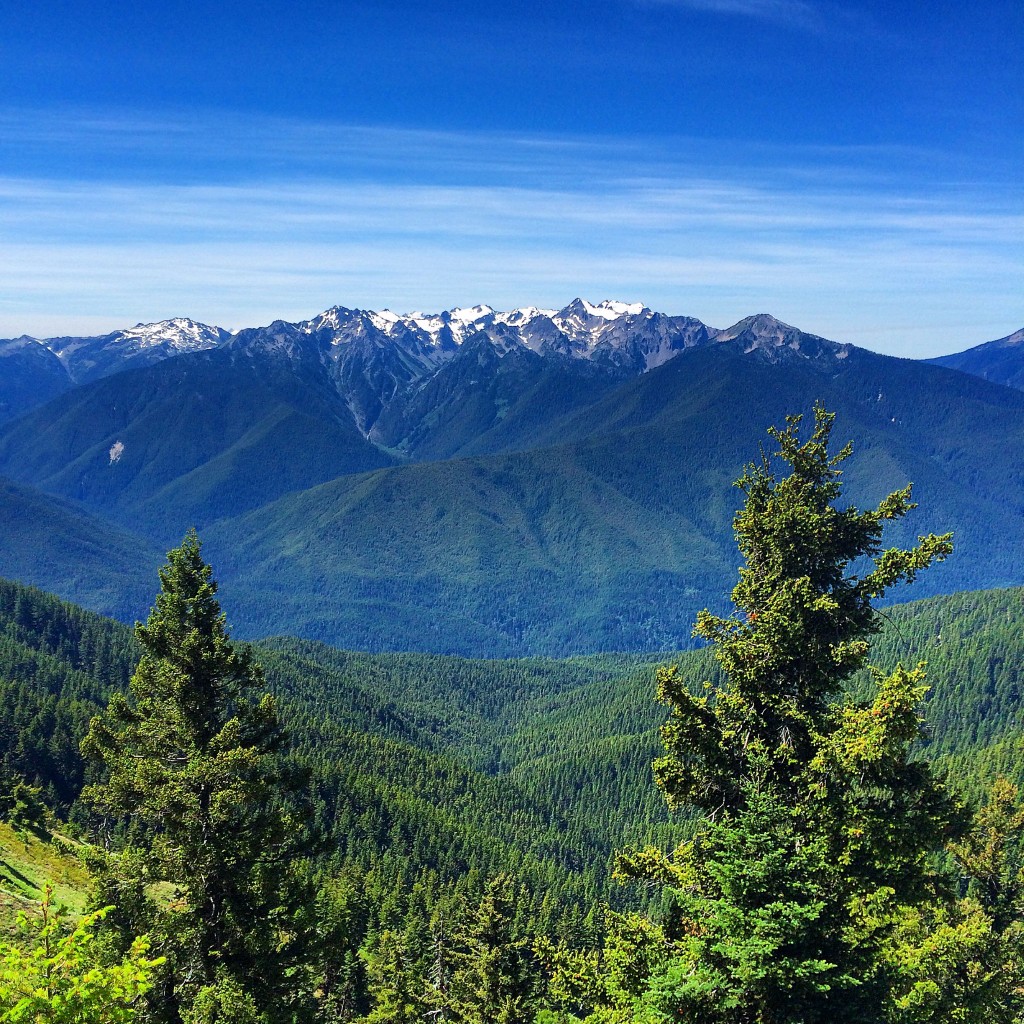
x: 813, y: 805
x: 191, y: 756
x: 27, y: 811
x: 56, y: 977
x: 224, y: 1002
x: 494, y: 974
x: 990, y: 855
x: 949, y: 964
x: 432, y: 774
x: 341, y: 922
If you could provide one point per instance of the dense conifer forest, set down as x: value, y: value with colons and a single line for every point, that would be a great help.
x: 286, y: 832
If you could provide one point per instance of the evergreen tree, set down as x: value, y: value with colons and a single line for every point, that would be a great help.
x: 990, y: 855
x: 339, y: 972
x: 495, y: 977
x: 54, y: 975
x: 395, y: 982
x: 965, y: 961
x: 27, y: 811
x: 814, y: 812
x: 192, y: 760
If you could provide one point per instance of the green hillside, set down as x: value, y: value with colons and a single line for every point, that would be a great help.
x: 614, y: 540
x: 56, y: 545
x: 187, y: 441
x: 585, y: 511
x: 389, y: 793
x: 540, y: 766
x: 438, y: 783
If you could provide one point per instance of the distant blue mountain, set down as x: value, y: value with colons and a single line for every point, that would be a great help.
x: 494, y: 483
x: 33, y: 370
x: 1001, y: 361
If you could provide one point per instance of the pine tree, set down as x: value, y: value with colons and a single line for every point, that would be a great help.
x: 54, y: 974
x: 813, y: 813
x: 495, y: 977
x: 192, y: 760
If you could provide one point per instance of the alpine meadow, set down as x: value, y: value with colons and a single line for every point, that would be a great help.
x: 388, y: 636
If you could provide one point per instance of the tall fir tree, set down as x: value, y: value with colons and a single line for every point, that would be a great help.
x: 192, y: 760
x: 813, y: 813
x: 495, y: 975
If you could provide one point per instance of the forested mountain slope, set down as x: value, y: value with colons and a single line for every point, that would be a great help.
x: 188, y: 440
x: 57, y: 545
x: 568, y: 489
x: 537, y: 766
x: 395, y: 787
x: 1001, y: 361
x: 31, y: 376
x: 614, y: 537
x: 34, y: 370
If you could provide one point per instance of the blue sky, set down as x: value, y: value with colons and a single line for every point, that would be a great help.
x: 853, y: 169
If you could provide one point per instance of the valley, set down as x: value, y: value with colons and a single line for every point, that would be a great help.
x: 474, y: 482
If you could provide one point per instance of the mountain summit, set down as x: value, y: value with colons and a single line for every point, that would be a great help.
x: 142, y: 345
x: 480, y: 481
x: 627, y: 337
x: 372, y: 359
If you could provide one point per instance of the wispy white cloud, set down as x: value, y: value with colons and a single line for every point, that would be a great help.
x: 830, y: 240
x: 210, y: 146
x: 797, y: 13
x: 839, y: 264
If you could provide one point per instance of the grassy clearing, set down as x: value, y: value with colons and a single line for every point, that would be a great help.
x: 28, y: 864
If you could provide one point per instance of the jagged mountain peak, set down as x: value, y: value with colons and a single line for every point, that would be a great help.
x: 335, y: 316
x: 471, y: 315
x: 765, y: 333
x: 451, y: 327
x: 180, y: 333
x: 87, y: 358
x: 626, y: 337
x: 607, y: 309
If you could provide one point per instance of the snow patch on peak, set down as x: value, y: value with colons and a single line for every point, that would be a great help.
x: 609, y: 309
x: 617, y: 308
x: 336, y: 316
x: 471, y: 315
x: 523, y: 315
x: 25, y: 341
x: 384, y: 320
x: 180, y: 334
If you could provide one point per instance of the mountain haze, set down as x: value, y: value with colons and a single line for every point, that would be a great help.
x: 33, y: 370
x: 489, y: 483
x: 1001, y: 361
x: 617, y: 535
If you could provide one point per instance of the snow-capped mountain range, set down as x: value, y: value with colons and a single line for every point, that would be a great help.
x: 624, y: 334
x: 373, y: 357
x: 383, y: 364
x: 535, y: 476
